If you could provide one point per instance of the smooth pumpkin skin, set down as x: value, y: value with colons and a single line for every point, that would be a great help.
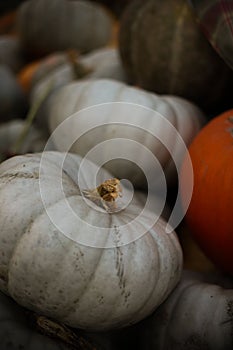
x: 45, y: 27
x: 81, y: 286
x: 209, y: 215
x: 184, y: 116
x: 197, y: 315
x: 164, y: 50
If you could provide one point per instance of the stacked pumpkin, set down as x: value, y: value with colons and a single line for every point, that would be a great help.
x: 80, y: 248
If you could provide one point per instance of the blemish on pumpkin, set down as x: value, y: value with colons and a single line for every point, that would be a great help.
x: 195, y: 341
x: 3, y: 277
x: 20, y: 175
x: 229, y: 309
x: 230, y: 130
x: 120, y: 269
x: 101, y: 300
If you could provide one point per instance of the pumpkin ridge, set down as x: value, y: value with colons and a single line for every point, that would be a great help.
x: 31, y: 222
x: 174, y: 66
x: 28, y: 231
x: 157, y: 277
x: 135, y: 25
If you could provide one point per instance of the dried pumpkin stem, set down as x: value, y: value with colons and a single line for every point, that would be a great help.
x: 79, y: 70
x: 59, y: 332
x: 105, y: 194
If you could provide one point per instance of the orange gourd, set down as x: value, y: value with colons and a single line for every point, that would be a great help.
x: 210, y: 214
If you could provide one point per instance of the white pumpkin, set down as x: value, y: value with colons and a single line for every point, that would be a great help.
x: 58, y: 70
x: 173, y: 120
x: 84, y: 267
x: 197, y: 315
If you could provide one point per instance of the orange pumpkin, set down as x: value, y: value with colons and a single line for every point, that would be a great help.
x: 210, y: 214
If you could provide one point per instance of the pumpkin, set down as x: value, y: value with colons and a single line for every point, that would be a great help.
x: 16, y: 333
x: 10, y: 53
x: 135, y: 114
x: 164, y: 50
x: 61, y: 68
x: 197, y: 315
x: 45, y: 27
x: 67, y: 257
x: 12, y: 99
x: 209, y: 214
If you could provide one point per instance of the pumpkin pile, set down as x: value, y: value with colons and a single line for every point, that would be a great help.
x: 116, y: 178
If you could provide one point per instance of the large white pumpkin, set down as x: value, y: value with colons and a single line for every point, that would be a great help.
x: 164, y: 126
x: 84, y: 267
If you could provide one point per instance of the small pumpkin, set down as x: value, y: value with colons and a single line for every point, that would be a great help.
x: 164, y: 50
x: 197, y: 315
x: 62, y: 68
x: 209, y: 215
x: 76, y: 97
x: 13, y: 103
x: 45, y: 27
x: 81, y: 266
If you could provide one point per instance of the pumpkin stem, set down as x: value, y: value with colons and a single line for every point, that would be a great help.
x: 105, y: 194
x: 79, y: 70
x: 59, y: 332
